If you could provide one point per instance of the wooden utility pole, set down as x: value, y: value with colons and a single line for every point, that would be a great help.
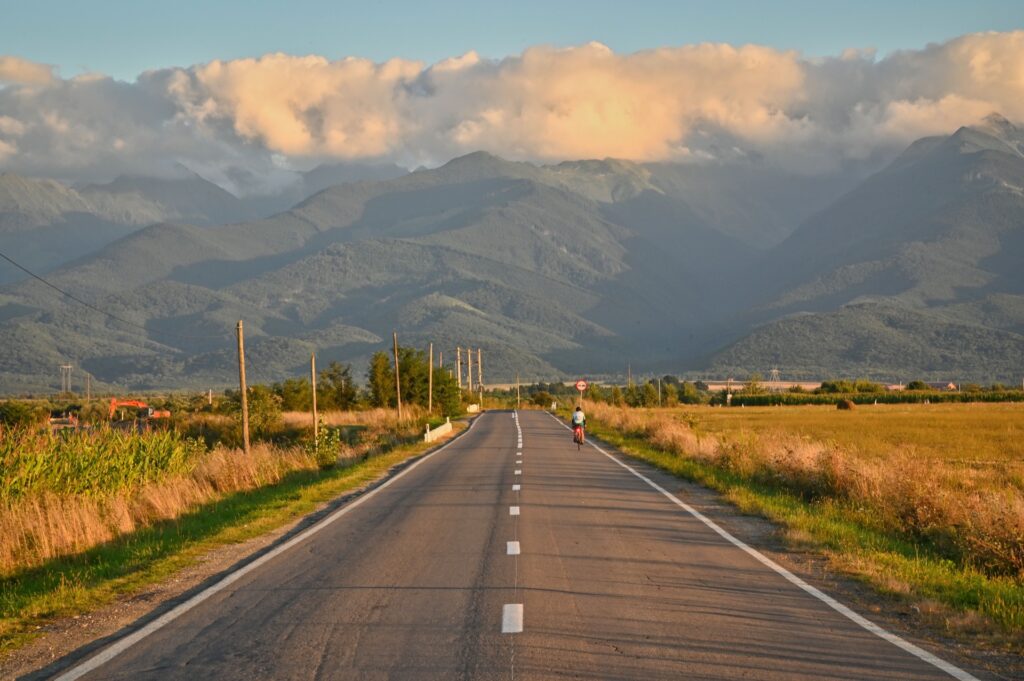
x: 458, y: 366
x: 398, y: 381
x: 88, y: 387
x: 517, y: 390
x: 316, y: 422
x: 242, y: 388
x: 430, y: 381
x: 469, y: 367
x: 480, y: 375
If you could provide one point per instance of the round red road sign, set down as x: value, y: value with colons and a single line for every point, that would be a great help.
x: 581, y: 385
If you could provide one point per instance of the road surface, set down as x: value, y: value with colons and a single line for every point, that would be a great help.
x: 483, y: 563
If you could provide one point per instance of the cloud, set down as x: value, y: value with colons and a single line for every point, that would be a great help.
x: 257, y: 117
x: 23, y: 72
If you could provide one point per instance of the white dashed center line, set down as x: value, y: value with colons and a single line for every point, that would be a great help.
x: 512, y: 618
x: 516, y: 488
x: 513, y: 510
x: 513, y: 548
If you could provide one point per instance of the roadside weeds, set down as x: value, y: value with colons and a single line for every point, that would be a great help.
x: 33, y: 600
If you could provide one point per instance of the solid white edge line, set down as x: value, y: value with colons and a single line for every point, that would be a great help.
x: 878, y: 631
x: 122, y: 644
x: 512, y: 548
x: 512, y: 618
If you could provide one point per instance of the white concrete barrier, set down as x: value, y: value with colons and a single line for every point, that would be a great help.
x: 442, y: 429
x: 473, y: 409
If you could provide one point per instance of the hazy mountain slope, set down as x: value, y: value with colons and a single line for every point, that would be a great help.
x: 939, y: 234
x: 878, y: 341
x: 187, y: 197
x: 481, y: 251
x: 757, y: 205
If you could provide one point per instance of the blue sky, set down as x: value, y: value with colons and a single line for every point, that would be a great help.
x: 123, y: 38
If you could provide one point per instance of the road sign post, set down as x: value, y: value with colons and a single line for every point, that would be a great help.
x: 581, y: 385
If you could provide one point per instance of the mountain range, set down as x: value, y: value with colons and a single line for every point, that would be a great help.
x: 911, y: 270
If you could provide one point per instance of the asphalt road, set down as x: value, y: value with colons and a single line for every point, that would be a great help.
x: 422, y: 580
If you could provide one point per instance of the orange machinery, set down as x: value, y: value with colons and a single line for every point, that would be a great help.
x: 150, y: 413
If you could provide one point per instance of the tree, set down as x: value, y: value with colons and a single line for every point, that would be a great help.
x: 264, y: 410
x: 380, y: 380
x: 671, y: 395
x: 754, y: 385
x: 689, y: 393
x: 447, y: 396
x: 650, y: 396
x: 918, y: 385
x: 335, y: 388
x: 542, y: 398
x: 295, y: 394
x: 616, y: 397
x: 413, y: 367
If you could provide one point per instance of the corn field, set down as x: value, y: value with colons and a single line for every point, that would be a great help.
x: 89, y: 463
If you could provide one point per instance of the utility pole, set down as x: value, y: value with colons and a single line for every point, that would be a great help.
x: 629, y: 376
x: 517, y: 390
x: 469, y: 367
x: 458, y: 366
x: 398, y: 381
x: 480, y: 375
x: 242, y: 387
x: 659, y: 392
x: 88, y: 387
x: 430, y: 381
x: 316, y: 422
x: 65, y: 379
x: 209, y: 396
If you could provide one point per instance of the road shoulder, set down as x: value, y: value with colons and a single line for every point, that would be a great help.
x: 67, y: 640
x: 768, y: 538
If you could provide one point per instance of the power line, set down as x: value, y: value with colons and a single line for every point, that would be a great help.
x: 104, y: 312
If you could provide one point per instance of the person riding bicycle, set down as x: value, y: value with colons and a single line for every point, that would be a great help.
x: 579, y: 422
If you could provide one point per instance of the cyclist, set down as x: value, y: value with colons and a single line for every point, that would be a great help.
x: 579, y: 422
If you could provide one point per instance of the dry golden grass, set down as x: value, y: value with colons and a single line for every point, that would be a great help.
x: 44, y: 526
x: 887, y: 465
x: 384, y: 419
x: 974, y: 433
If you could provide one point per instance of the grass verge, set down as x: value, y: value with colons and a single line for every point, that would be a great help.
x: 76, y: 584
x: 960, y: 600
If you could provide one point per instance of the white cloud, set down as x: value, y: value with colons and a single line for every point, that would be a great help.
x: 685, y: 103
x: 24, y: 72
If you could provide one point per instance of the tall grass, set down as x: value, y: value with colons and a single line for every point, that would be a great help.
x: 88, y: 463
x: 63, y: 493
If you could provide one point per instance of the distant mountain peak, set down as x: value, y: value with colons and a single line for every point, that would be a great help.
x: 996, y: 122
x: 478, y: 158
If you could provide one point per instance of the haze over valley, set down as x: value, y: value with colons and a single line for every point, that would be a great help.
x: 873, y: 232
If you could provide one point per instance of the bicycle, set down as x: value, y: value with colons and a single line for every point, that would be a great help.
x: 577, y: 436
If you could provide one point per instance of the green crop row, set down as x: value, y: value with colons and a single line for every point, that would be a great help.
x: 89, y: 463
